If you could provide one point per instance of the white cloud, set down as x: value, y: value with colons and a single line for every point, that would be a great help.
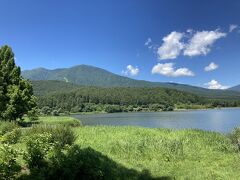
x: 148, y: 42
x: 232, y: 27
x: 201, y: 42
x: 171, y: 46
x: 213, y: 84
x: 169, y: 70
x: 131, y: 70
x: 190, y: 30
x: 212, y: 66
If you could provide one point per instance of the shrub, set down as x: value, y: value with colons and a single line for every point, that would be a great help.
x: 9, y: 168
x: 63, y: 135
x: 12, y: 137
x: 38, y: 146
x: 55, y: 113
x: 7, y: 127
x: 73, y: 123
x: 33, y: 114
x: 46, y: 110
x: 113, y: 108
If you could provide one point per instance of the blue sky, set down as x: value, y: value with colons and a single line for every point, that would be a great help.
x: 167, y: 40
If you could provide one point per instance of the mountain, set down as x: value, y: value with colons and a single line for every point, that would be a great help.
x: 93, y: 76
x: 235, y: 88
x: 46, y: 87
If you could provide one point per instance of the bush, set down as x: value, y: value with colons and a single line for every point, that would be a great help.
x: 38, y: 146
x: 113, y: 108
x: 12, y: 137
x: 63, y: 135
x: 73, y: 123
x: 6, y: 126
x: 235, y: 137
x: 55, y: 113
x: 33, y: 114
x: 46, y: 110
x: 9, y: 168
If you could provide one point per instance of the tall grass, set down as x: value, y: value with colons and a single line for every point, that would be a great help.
x: 67, y: 121
x: 183, y: 154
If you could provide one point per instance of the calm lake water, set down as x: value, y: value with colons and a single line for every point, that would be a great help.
x: 221, y: 120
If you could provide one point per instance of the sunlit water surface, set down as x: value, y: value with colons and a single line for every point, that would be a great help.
x: 221, y: 120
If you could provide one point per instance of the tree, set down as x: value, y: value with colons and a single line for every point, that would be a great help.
x: 16, y: 93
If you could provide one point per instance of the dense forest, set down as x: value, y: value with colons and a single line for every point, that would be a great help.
x: 123, y: 99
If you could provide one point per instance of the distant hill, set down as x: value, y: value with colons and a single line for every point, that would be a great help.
x: 93, y: 76
x: 235, y: 88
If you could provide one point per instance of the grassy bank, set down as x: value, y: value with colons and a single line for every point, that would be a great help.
x: 136, y: 153
x: 59, y: 120
x: 192, y: 154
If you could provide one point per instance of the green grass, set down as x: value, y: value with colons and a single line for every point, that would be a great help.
x: 183, y: 154
x: 55, y: 120
x: 180, y: 154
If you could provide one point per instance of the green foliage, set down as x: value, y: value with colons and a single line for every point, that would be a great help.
x: 6, y: 126
x: 9, y: 167
x: 92, y: 99
x: 12, y: 137
x: 38, y: 146
x: 33, y: 114
x: 173, y: 150
x: 55, y: 113
x: 73, y: 98
x: 179, y: 154
x: 113, y: 108
x: 16, y: 97
x: 59, y: 120
x: 235, y: 137
x: 46, y: 110
x: 60, y: 134
x: 87, y: 163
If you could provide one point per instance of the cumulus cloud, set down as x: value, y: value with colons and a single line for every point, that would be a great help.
x: 201, y: 42
x: 232, y: 27
x: 131, y: 70
x: 211, y: 67
x: 213, y: 84
x: 168, y: 69
x: 171, y: 46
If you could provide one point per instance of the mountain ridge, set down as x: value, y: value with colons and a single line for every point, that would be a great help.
x: 87, y: 75
x: 235, y: 88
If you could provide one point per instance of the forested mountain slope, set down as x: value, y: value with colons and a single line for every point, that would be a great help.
x: 92, y: 76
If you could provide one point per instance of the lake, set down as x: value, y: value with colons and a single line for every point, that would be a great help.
x: 220, y: 120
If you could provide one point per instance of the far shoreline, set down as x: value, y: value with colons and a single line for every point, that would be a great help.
x: 175, y: 110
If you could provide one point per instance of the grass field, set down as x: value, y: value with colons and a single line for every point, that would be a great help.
x: 53, y: 120
x: 177, y: 154
x: 183, y: 154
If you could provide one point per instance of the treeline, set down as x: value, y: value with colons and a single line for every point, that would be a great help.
x: 90, y: 99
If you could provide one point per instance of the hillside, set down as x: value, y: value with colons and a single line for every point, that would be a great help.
x: 45, y: 87
x: 93, y: 76
x: 235, y: 88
